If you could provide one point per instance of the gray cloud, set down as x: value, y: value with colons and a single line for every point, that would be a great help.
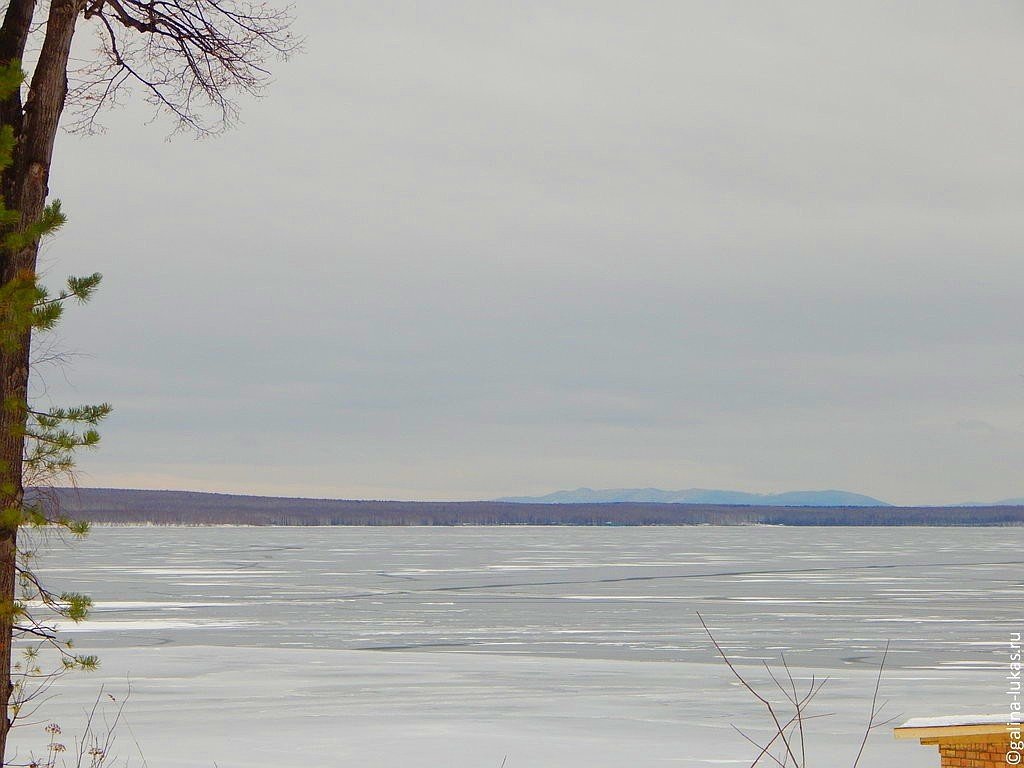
x: 484, y: 249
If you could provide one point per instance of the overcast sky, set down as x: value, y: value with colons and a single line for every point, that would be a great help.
x: 469, y: 249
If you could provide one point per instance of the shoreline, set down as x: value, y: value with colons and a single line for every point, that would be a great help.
x: 138, y: 507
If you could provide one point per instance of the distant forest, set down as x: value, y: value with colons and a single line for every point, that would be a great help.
x: 108, y: 505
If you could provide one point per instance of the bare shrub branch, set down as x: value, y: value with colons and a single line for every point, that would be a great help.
x: 788, y: 744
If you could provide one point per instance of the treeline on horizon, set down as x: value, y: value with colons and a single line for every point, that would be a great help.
x: 120, y: 506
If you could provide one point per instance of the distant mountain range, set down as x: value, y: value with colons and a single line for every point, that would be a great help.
x: 702, y: 496
x: 1001, y: 503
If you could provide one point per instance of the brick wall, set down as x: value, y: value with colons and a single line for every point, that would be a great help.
x: 982, y: 754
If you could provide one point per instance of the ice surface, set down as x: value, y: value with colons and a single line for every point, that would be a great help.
x: 558, y: 647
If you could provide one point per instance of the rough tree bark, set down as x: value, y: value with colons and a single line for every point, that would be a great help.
x: 25, y: 189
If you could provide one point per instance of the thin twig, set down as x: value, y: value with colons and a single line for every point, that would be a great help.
x: 874, y: 709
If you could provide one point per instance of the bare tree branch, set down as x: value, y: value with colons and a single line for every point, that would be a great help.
x: 191, y: 58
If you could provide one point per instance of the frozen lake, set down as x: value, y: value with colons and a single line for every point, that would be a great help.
x: 558, y: 647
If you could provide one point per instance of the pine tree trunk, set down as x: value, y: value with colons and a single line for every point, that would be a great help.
x: 13, y: 38
x: 15, y: 376
x: 25, y: 189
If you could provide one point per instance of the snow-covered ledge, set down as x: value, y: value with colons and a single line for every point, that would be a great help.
x: 968, y: 741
